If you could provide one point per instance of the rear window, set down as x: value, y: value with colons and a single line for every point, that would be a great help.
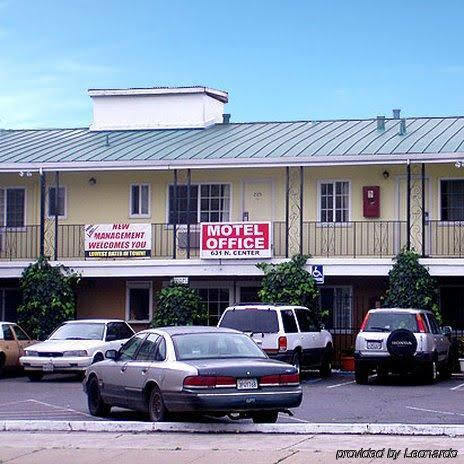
x: 251, y: 320
x: 387, y: 322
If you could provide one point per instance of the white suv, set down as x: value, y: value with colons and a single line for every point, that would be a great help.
x: 287, y: 333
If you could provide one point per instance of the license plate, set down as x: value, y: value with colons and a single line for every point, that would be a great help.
x: 374, y: 345
x: 47, y: 367
x: 247, y: 384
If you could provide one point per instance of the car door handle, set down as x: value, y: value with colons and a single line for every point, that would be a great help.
x: 123, y: 368
x: 144, y: 370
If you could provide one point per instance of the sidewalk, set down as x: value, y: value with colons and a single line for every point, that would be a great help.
x: 182, y: 448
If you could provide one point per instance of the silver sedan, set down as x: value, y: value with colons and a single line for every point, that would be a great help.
x: 193, y: 369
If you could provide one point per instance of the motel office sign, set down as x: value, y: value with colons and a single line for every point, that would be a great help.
x: 117, y: 241
x: 235, y: 240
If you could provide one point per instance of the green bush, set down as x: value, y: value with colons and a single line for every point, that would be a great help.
x: 411, y: 286
x: 290, y: 283
x: 179, y: 305
x: 48, y: 297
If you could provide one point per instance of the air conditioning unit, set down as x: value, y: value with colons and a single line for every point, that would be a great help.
x: 182, y: 238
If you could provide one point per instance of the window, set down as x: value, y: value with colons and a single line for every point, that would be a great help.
x: 452, y: 200
x: 10, y: 299
x: 7, y: 333
x: 149, y: 347
x: 20, y: 334
x: 434, y: 326
x: 216, y: 300
x: 118, y: 331
x: 208, y: 203
x: 306, y: 321
x: 288, y: 320
x: 61, y: 201
x: 251, y: 320
x: 130, y: 349
x: 334, y: 201
x: 140, y: 200
x: 139, y: 301
x: 12, y: 207
x: 338, y: 302
x: 249, y: 294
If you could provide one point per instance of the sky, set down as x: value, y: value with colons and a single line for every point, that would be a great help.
x: 279, y: 60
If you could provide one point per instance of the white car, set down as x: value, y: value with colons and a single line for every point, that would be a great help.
x: 284, y: 332
x: 74, y: 346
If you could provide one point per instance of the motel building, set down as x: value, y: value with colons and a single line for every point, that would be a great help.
x: 127, y: 201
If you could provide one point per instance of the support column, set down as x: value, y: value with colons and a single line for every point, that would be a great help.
x: 408, y: 205
x: 42, y: 212
x: 287, y: 204
x: 301, y: 207
x: 189, y: 182
x: 57, y: 204
x: 423, y: 209
x: 174, y: 222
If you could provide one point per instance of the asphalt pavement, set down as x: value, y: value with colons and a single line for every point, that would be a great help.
x: 334, y: 400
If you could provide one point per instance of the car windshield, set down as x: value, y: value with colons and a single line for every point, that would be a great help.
x: 387, y: 322
x: 215, y: 346
x: 251, y: 320
x: 79, y: 331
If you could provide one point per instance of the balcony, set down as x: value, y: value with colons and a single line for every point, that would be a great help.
x: 354, y: 239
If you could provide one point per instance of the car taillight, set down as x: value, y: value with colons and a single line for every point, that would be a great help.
x: 282, y: 343
x: 209, y: 381
x: 420, y: 323
x: 364, y: 322
x: 279, y: 380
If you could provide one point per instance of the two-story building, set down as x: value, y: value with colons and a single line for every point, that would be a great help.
x: 351, y: 193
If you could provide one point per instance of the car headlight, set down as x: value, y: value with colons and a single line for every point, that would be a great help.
x: 31, y: 353
x: 75, y: 354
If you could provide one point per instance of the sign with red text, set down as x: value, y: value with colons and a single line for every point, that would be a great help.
x: 117, y: 240
x: 235, y: 240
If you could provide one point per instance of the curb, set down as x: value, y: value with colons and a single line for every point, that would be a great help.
x: 446, y: 430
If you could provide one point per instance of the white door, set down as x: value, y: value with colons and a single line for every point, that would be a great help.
x: 258, y: 201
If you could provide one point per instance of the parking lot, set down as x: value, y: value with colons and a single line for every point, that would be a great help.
x: 337, y: 399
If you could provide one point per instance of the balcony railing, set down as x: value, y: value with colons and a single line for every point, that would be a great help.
x: 354, y: 239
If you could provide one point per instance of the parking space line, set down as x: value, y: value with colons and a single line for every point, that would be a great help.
x: 62, y: 408
x: 435, y: 411
x: 457, y: 387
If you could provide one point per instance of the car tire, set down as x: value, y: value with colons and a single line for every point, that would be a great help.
x: 265, y: 417
x: 97, y: 407
x: 2, y: 365
x: 326, y: 367
x: 361, y: 375
x: 445, y: 370
x: 35, y: 376
x: 156, y: 408
x: 296, y: 361
x: 431, y: 372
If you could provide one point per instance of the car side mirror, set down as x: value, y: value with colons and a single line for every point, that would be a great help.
x: 111, y: 354
x: 446, y: 330
x: 321, y: 327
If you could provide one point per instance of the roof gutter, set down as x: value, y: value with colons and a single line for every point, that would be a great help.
x: 235, y: 163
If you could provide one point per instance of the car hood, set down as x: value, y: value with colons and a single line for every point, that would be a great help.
x: 241, y: 367
x: 66, y: 345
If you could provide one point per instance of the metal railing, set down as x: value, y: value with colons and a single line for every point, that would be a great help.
x: 19, y: 243
x: 444, y: 239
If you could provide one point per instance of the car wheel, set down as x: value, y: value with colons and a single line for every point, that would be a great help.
x: 445, y: 370
x: 156, y: 408
x: 361, y: 375
x: 296, y: 361
x: 35, y: 376
x: 326, y: 366
x: 431, y: 372
x: 97, y: 407
x: 2, y: 365
x: 265, y: 417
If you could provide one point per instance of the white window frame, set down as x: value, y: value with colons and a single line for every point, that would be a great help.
x: 144, y: 284
x: 319, y: 198
x: 3, y: 219
x: 443, y: 222
x: 214, y: 284
x: 140, y: 215
x: 65, y: 215
x: 350, y: 288
x: 242, y: 284
x: 199, y: 184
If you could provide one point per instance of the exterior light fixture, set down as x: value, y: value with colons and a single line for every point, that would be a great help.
x: 92, y: 181
x: 385, y: 174
x: 459, y: 164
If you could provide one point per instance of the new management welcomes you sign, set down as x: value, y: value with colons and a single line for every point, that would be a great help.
x: 235, y: 240
x: 117, y: 240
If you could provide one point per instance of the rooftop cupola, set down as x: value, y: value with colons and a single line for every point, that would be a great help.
x: 157, y: 108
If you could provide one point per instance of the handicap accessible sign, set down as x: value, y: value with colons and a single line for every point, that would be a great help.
x: 317, y: 271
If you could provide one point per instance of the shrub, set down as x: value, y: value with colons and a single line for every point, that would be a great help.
x: 48, y: 297
x: 411, y: 286
x: 179, y: 305
x: 290, y: 283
